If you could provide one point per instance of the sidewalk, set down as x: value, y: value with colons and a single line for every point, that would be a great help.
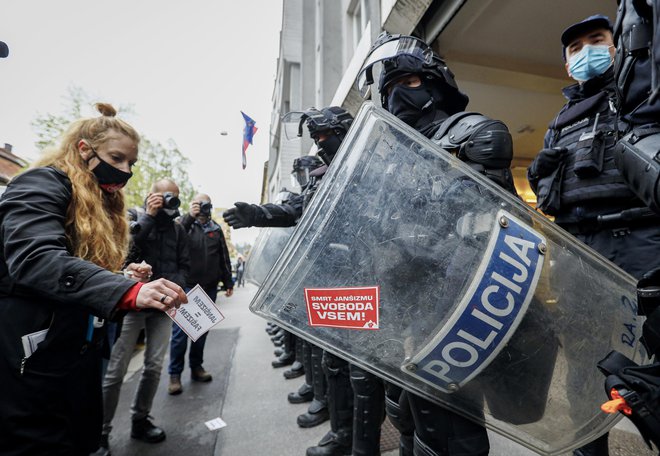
x: 250, y: 396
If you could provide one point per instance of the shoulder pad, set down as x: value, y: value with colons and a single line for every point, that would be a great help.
x: 455, y: 130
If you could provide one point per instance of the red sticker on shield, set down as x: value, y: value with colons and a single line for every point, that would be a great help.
x: 352, y: 308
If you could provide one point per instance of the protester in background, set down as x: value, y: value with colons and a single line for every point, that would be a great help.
x: 240, y: 270
x: 161, y: 242
x: 65, y: 235
x: 211, y: 265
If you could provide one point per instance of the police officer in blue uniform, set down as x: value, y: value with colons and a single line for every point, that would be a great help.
x: 417, y: 86
x: 575, y: 175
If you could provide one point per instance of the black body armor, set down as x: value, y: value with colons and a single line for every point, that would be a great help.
x: 637, y: 67
x: 586, y: 183
x: 483, y: 143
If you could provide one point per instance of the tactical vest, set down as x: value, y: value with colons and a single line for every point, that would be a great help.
x: 587, y: 130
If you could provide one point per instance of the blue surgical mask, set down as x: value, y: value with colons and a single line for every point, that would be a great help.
x: 591, y: 61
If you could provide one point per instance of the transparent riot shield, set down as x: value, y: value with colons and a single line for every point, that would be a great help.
x: 412, y: 266
x: 267, y: 248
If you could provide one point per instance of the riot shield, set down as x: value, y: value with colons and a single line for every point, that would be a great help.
x: 267, y: 248
x: 414, y: 267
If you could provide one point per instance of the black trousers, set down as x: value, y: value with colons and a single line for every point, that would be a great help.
x: 51, y: 413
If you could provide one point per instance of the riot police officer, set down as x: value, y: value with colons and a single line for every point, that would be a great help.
x: 326, y: 375
x: 416, y: 86
x: 637, y: 84
x: 575, y: 176
x: 328, y: 128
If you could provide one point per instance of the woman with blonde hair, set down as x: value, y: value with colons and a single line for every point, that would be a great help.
x: 65, y: 235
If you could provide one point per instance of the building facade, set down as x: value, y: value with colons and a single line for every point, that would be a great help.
x: 10, y: 164
x: 506, y: 54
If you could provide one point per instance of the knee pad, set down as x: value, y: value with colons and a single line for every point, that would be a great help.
x: 333, y: 365
x: 400, y: 419
x: 363, y: 382
x: 637, y: 156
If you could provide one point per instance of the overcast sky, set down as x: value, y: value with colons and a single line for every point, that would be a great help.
x: 188, y: 69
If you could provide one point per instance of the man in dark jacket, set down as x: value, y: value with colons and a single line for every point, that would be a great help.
x: 210, y: 265
x: 162, y: 243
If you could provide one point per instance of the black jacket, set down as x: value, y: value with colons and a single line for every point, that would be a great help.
x: 586, y: 128
x: 161, y: 243
x: 209, y: 255
x: 42, y: 285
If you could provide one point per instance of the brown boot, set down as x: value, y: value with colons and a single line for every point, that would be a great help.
x: 175, y: 387
x: 198, y: 374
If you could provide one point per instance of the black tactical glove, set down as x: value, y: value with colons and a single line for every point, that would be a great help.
x: 546, y: 162
x: 243, y: 215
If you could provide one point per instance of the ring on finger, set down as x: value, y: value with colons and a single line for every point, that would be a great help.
x: 163, y: 298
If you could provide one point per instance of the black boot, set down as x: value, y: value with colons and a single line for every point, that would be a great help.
x: 278, y: 335
x: 104, y: 447
x: 296, y: 370
x: 145, y: 430
x: 285, y: 359
x: 598, y: 447
x: 288, y: 357
x: 331, y: 445
x: 304, y: 394
x: 317, y: 412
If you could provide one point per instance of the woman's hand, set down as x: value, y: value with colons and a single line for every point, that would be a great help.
x: 138, y: 271
x: 160, y: 294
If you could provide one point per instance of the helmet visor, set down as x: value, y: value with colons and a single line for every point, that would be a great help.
x: 300, y: 177
x: 293, y: 122
x: 407, y: 45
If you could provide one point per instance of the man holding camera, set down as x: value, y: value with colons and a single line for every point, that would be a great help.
x: 211, y: 265
x: 162, y: 243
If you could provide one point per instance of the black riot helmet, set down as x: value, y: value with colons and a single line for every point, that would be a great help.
x: 332, y: 121
x: 400, y: 55
x: 302, y: 166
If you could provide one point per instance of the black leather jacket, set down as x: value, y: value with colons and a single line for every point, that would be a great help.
x: 209, y: 255
x: 42, y: 285
x: 162, y: 243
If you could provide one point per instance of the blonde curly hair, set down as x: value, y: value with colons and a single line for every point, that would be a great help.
x: 96, y: 232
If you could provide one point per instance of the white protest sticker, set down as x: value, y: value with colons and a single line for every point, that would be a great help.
x: 198, y: 316
x: 214, y: 424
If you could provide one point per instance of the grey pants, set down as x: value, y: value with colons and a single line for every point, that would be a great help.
x: 157, y: 328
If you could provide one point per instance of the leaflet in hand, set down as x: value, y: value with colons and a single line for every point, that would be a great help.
x: 198, y: 316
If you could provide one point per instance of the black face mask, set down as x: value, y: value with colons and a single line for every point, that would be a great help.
x: 328, y: 148
x: 410, y: 103
x: 110, y: 179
